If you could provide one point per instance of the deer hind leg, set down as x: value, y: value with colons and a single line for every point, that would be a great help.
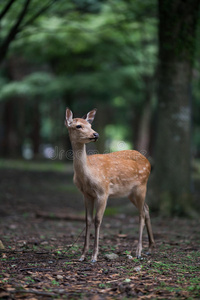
x: 100, y: 208
x: 149, y: 229
x: 138, y: 199
x: 89, y: 207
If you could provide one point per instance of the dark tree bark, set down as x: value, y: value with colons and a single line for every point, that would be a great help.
x: 172, y: 174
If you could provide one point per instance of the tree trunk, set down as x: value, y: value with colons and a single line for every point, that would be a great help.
x: 14, y: 111
x: 143, y: 140
x: 99, y: 125
x: 172, y: 174
x: 7, y: 144
x: 144, y: 126
x: 36, y: 129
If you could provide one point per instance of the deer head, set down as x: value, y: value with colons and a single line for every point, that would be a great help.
x: 80, y: 130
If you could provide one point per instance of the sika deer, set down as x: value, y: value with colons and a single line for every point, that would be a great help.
x: 99, y: 176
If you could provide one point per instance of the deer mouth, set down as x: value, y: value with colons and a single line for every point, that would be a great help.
x: 93, y: 139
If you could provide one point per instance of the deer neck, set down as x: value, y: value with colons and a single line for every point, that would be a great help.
x: 80, y: 158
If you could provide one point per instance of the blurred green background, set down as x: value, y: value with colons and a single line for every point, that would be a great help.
x: 136, y: 61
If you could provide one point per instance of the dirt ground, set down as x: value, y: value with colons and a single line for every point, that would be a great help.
x: 42, y: 246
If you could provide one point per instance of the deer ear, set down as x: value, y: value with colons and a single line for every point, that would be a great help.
x: 69, y: 117
x: 89, y: 117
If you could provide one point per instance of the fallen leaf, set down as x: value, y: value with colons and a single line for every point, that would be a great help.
x: 120, y: 235
x: 111, y: 256
x: 127, y: 280
x: 2, y: 245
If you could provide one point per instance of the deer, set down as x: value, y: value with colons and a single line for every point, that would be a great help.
x: 100, y: 176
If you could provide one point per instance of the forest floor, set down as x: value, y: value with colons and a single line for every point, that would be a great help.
x: 43, y: 246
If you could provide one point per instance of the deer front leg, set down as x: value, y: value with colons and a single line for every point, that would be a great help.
x: 100, y: 208
x: 89, y: 207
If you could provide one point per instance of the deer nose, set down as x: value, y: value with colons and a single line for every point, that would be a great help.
x: 96, y: 135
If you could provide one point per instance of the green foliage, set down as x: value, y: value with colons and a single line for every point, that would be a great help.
x: 85, y: 52
x: 38, y: 84
x: 107, y: 53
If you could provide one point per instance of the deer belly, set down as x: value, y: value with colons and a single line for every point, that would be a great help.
x: 120, y: 189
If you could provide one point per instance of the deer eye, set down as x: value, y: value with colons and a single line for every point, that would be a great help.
x: 78, y: 126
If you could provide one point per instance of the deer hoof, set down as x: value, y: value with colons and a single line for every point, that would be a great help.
x: 93, y: 261
x: 139, y: 257
x: 81, y: 258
